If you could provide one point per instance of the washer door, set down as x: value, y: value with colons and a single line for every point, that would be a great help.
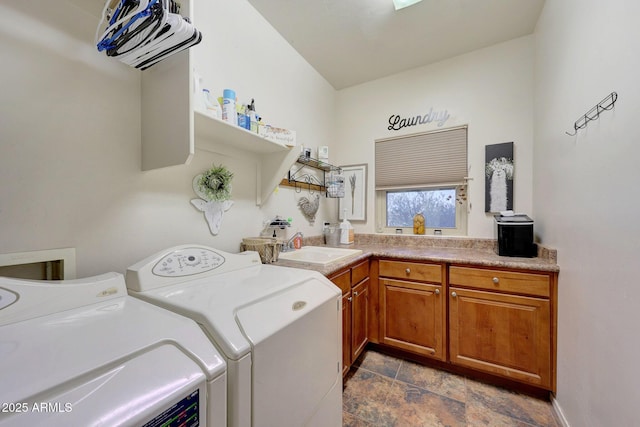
x: 296, y: 345
x: 159, y: 385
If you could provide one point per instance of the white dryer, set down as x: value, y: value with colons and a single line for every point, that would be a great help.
x: 279, y: 329
x: 84, y: 353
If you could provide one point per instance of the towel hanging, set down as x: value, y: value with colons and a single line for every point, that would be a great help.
x: 141, y: 33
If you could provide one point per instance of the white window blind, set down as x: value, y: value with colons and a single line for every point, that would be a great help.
x: 422, y: 159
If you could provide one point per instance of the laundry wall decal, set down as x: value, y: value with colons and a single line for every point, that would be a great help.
x: 397, y: 122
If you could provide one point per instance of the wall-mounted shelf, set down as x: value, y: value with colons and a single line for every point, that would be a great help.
x: 306, y: 181
x: 302, y: 185
x: 211, y: 129
x: 317, y: 164
x: 272, y: 159
x: 172, y: 130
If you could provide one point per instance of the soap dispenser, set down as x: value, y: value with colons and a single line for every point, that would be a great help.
x: 346, y: 231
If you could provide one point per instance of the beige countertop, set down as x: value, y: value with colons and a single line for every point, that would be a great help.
x: 472, y: 253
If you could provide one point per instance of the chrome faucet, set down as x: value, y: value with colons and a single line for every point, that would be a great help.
x: 288, y: 246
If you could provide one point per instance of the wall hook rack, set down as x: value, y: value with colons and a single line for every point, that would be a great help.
x: 606, y: 104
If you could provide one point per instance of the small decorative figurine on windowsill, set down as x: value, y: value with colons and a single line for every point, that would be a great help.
x: 418, y: 223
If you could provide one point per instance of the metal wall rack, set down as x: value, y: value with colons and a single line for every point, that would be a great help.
x: 300, y: 180
x: 606, y: 104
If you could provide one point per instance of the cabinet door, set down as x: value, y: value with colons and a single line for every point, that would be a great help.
x: 502, y: 334
x: 413, y: 317
x: 346, y: 332
x: 359, y: 318
x: 342, y: 280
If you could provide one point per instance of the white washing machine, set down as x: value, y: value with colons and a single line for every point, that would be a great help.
x: 279, y: 329
x: 84, y: 353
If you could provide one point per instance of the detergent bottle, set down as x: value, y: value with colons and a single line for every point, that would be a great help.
x: 346, y: 231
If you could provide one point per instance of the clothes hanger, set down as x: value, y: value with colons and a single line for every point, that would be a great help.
x: 178, y: 34
x: 187, y: 42
x: 141, y: 33
x: 129, y: 22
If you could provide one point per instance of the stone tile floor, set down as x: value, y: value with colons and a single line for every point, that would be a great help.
x: 381, y: 390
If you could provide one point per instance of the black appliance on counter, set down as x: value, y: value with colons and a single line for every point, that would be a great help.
x: 515, y: 236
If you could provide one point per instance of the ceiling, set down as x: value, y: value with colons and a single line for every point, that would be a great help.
x: 354, y: 41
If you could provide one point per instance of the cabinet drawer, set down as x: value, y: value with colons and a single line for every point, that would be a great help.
x: 496, y: 280
x: 359, y: 272
x: 342, y: 280
x: 411, y: 271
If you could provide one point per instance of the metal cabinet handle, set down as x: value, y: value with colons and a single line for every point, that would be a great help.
x: 355, y: 294
x: 437, y: 292
x: 453, y: 294
x: 349, y: 299
x: 496, y: 280
x: 408, y: 270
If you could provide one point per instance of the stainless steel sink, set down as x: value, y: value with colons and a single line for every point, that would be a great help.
x: 318, y: 254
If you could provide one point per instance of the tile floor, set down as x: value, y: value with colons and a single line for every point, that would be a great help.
x: 381, y: 390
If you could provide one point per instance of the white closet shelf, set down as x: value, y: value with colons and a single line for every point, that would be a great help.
x: 214, y: 130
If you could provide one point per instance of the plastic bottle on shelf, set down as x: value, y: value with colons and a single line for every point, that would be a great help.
x: 253, y: 117
x: 242, y: 118
x: 199, y: 103
x: 213, y: 108
x: 247, y: 114
x: 229, y: 114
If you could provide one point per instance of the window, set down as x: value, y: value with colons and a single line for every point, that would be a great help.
x: 422, y: 173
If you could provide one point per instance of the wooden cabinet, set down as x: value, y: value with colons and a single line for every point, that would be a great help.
x: 412, y: 307
x: 503, y: 323
x: 354, y: 283
x: 467, y: 318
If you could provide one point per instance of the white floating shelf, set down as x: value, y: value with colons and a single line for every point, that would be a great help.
x: 212, y: 130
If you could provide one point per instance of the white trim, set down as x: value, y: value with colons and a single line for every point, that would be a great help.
x: 558, y: 412
x: 67, y: 255
x: 411, y: 135
x: 381, y: 215
x: 419, y: 186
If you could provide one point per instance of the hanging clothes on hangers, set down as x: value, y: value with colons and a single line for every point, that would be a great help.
x: 141, y: 33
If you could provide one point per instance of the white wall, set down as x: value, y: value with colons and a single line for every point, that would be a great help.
x: 70, y: 157
x: 490, y: 90
x: 586, y: 204
x: 243, y: 52
x: 70, y: 137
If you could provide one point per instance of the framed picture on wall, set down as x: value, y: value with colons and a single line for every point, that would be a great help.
x: 354, y: 202
x: 498, y: 183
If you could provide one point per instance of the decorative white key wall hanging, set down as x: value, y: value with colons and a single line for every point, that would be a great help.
x: 214, y: 189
